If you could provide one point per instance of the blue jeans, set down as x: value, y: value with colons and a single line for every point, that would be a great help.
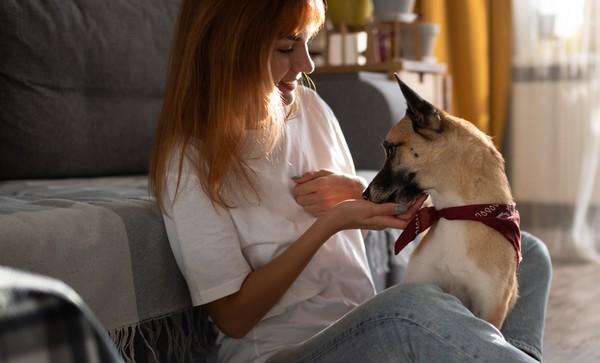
x: 421, y: 323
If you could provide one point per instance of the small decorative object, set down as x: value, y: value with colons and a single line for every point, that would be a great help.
x: 350, y: 12
x: 395, y: 10
x: 347, y: 48
x: 418, y: 42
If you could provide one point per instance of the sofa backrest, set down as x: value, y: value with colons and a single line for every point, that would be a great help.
x: 81, y: 85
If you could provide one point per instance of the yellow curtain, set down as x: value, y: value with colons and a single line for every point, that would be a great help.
x: 475, y: 41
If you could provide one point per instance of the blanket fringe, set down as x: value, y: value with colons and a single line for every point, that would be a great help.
x: 184, y: 336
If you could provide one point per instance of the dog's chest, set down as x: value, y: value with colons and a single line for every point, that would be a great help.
x: 445, y: 244
x: 443, y: 260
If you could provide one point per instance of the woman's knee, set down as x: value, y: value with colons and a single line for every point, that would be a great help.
x: 536, y: 254
x: 426, y: 317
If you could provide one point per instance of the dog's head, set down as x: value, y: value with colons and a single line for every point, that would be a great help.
x: 427, y: 150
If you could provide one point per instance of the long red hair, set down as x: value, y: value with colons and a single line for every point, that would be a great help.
x: 219, y: 86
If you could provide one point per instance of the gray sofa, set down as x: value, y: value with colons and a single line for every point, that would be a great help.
x: 81, y: 84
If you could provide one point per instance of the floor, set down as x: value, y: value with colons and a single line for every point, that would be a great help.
x: 572, y: 332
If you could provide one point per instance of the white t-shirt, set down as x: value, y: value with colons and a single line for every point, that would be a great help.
x: 217, y: 248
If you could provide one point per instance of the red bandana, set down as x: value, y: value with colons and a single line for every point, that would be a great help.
x: 504, y: 218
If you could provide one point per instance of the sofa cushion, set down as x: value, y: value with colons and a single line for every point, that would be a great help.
x: 81, y: 83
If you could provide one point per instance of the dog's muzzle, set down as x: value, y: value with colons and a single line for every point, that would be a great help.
x: 389, y: 187
x: 376, y: 194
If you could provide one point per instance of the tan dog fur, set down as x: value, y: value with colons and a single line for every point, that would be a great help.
x: 456, y: 164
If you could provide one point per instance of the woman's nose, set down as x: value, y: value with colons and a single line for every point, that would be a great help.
x: 303, y: 62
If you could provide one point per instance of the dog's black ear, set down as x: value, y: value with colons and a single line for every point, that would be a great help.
x: 423, y: 114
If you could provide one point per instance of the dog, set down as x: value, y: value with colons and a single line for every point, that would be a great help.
x: 472, y: 248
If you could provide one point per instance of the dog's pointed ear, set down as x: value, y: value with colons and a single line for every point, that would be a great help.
x: 423, y: 114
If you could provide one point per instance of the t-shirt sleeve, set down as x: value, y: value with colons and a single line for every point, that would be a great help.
x: 205, y: 243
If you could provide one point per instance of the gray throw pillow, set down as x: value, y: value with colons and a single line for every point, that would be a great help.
x: 81, y: 85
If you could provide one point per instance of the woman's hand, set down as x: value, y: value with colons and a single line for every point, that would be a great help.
x: 319, y: 191
x: 363, y: 214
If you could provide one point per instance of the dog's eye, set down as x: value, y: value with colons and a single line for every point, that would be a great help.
x: 390, y: 150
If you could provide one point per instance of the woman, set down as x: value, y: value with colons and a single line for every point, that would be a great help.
x: 263, y: 208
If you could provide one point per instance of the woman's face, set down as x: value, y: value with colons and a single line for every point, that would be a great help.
x: 289, y: 59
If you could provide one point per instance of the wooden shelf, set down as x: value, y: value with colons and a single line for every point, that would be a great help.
x: 391, y: 46
x: 388, y: 67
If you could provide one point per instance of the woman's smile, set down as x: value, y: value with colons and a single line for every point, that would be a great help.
x: 286, y: 87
